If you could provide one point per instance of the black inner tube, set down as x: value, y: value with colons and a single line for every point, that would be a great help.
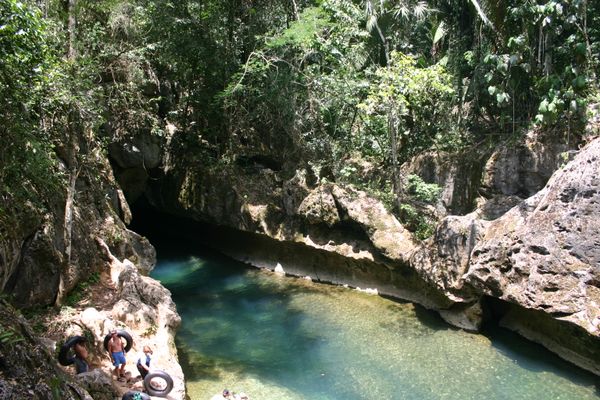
x: 63, y: 354
x: 122, y: 334
x: 153, y: 391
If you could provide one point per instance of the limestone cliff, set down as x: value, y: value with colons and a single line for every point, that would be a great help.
x: 50, y: 263
x: 544, y: 255
x: 535, y: 255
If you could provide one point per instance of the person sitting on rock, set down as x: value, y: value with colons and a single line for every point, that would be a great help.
x: 80, y: 359
x: 143, y: 362
x: 117, y: 354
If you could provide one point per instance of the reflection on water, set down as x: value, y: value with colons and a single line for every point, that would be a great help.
x: 286, y: 338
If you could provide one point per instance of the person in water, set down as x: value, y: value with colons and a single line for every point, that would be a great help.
x: 80, y: 359
x: 143, y: 362
x: 225, y: 395
x: 117, y: 354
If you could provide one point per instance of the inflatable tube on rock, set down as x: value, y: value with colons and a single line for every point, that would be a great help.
x: 155, y: 388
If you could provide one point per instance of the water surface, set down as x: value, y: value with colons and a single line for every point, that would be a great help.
x: 279, y: 338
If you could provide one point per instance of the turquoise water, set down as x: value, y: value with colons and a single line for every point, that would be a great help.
x: 279, y: 338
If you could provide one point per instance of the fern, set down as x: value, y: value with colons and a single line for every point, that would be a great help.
x: 9, y: 337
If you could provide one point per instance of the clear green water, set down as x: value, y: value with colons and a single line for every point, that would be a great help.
x: 286, y: 338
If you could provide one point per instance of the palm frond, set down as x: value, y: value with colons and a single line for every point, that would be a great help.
x: 421, y: 9
x: 371, y: 22
x: 440, y: 32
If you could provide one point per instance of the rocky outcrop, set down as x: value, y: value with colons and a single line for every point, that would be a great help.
x: 133, y: 160
x: 385, y: 232
x: 328, y: 232
x: 544, y: 254
x: 541, y: 259
x: 45, y: 257
x: 446, y: 257
x: 29, y: 370
x: 98, y: 384
x: 459, y: 176
x: 48, y: 256
x: 522, y: 169
x: 125, y: 299
x: 492, y: 181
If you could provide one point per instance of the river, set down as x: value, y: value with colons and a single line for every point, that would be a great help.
x: 276, y: 337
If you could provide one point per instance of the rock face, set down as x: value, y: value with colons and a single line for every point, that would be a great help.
x: 29, y: 371
x: 458, y: 176
x: 133, y: 160
x: 43, y: 260
x: 446, y: 257
x: 544, y: 254
x: 98, y: 384
x: 523, y: 169
x: 502, y: 177
x: 145, y: 310
x: 48, y: 255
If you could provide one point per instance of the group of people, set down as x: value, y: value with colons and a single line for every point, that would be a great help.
x: 116, y: 351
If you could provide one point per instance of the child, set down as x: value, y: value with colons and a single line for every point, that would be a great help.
x: 143, y: 362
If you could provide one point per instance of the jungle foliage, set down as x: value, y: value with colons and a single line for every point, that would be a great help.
x: 334, y: 84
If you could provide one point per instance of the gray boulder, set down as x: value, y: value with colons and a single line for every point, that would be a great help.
x: 544, y: 257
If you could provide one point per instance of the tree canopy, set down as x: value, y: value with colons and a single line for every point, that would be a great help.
x: 311, y: 82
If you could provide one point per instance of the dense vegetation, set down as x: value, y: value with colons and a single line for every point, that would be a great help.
x: 338, y: 85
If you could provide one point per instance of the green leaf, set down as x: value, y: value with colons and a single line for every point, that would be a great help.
x: 440, y: 32
x: 579, y: 82
x: 581, y: 49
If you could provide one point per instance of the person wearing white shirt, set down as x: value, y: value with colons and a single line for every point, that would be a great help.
x: 143, y: 362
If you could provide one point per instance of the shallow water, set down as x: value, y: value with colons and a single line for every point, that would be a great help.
x: 278, y: 338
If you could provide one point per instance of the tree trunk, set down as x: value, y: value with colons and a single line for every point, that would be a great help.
x: 71, y: 26
x: 295, y: 10
x: 68, y: 221
x: 548, y: 53
x: 397, y: 184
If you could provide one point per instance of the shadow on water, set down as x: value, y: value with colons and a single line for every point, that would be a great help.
x: 535, y: 357
x: 431, y: 319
